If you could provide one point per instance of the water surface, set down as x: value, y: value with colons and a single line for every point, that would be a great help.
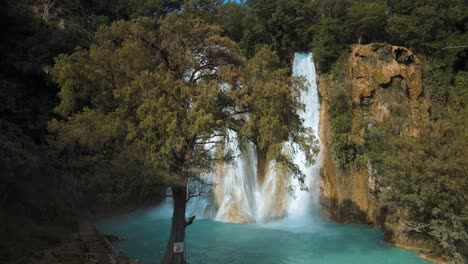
x: 310, y: 241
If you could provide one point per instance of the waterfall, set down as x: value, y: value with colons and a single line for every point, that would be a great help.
x: 241, y: 196
x: 303, y: 66
x: 237, y: 182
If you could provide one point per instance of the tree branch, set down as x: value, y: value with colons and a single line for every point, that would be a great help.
x: 161, y: 53
x: 190, y: 221
x: 203, y: 76
x: 203, y: 67
x: 190, y: 196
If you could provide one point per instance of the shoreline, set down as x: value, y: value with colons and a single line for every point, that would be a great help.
x: 423, y: 253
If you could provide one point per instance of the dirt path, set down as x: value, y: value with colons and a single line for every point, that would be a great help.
x: 87, y: 247
x: 98, y: 248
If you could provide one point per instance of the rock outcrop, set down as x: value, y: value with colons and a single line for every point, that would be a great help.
x: 375, y: 68
x: 381, y: 80
x: 234, y: 214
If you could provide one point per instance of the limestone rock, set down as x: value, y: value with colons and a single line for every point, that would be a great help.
x: 383, y: 81
x: 237, y: 215
x: 377, y: 67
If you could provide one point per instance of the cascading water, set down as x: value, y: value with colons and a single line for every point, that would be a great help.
x: 236, y: 186
x: 303, y: 66
x: 240, y: 196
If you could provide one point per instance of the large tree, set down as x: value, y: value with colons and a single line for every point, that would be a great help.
x: 428, y: 26
x: 367, y: 20
x: 283, y: 24
x: 163, y: 94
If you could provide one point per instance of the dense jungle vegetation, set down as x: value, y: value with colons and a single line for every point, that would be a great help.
x: 50, y: 172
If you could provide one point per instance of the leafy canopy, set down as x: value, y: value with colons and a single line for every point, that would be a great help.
x: 163, y: 93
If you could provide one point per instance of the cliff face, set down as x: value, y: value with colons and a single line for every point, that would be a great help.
x: 346, y: 195
x: 379, y: 81
x: 376, y: 70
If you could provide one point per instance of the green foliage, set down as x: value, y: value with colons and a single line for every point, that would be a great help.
x: 366, y: 20
x: 274, y: 118
x: 427, y: 27
x: 154, y: 97
x: 282, y: 24
x: 152, y: 8
x: 424, y: 27
x: 439, y: 79
x: 328, y: 43
x: 232, y: 17
x: 345, y: 152
x: 461, y: 92
x: 332, y: 8
x: 428, y: 175
x: 206, y: 10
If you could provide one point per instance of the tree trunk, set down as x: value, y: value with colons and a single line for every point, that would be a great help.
x: 179, y: 195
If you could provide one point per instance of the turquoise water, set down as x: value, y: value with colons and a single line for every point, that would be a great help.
x: 284, y: 242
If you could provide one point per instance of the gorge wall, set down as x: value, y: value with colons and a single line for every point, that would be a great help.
x: 374, y: 85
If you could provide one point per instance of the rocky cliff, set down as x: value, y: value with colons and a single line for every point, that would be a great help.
x: 373, y: 85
